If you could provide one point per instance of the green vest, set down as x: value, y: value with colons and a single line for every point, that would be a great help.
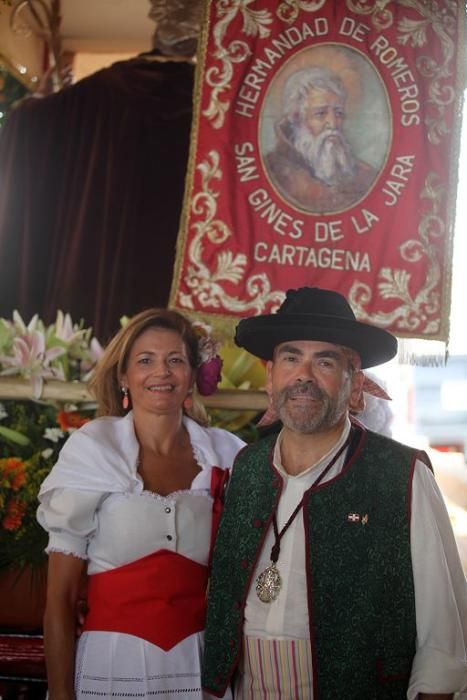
x: 361, y: 602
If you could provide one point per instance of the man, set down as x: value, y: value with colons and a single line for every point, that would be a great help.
x: 312, y: 164
x: 335, y: 572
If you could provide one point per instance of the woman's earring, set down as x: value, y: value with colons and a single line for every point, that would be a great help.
x: 188, y: 402
x: 125, y: 399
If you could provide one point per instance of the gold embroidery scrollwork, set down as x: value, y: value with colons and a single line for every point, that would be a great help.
x: 440, y: 17
x: 255, y: 22
x: 206, y: 284
x: 415, y: 313
x: 289, y: 9
x: 381, y: 17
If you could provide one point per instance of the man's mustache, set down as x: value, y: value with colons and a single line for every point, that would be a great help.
x: 328, y: 133
x: 308, y: 389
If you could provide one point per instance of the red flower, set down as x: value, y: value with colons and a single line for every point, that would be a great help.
x: 15, y: 471
x: 19, y: 480
x: 11, y: 464
x: 14, y: 515
x: 70, y: 420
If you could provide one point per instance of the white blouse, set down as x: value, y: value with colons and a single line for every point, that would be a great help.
x: 94, y: 506
x: 113, y: 530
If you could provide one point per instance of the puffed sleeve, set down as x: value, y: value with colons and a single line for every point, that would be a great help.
x: 226, y: 446
x: 440, y: 663
x: 69, y: 516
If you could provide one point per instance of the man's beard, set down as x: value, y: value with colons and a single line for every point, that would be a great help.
x: 330, y: 159
x: 323, y: 413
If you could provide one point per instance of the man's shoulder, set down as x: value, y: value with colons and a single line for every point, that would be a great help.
x: 364, y: 173
x: 386, y: 449
x: 257, y: 454
x: 386, y: 441
x: 263, y: 444
x: 284, y: 159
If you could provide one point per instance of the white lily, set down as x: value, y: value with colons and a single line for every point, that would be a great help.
x: 95, y: 352
x: 21, y: 327
x: 67, y: 331
x: 31, y: 360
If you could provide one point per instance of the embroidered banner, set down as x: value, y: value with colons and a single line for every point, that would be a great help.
x: 324, y: 152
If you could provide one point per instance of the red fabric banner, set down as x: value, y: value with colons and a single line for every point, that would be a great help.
x: 324, y: 153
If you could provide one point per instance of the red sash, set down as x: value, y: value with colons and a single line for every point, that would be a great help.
x: 160, y: 598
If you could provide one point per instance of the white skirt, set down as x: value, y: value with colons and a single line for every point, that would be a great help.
x: 114, y: 665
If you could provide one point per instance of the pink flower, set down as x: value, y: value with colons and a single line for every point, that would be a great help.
x: 32, y: 360
x: 94, y: 354
x: 208, y: 376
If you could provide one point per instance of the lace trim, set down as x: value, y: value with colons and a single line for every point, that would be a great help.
x: 200, y: 461
x: 172, y: 496
x: 69, y: 553
x: 198, y: 456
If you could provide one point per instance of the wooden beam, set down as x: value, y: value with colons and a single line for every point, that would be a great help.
x: 76, y: 392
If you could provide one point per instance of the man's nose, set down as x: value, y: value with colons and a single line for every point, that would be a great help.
x: 331, y: 119
x: 306, y: 372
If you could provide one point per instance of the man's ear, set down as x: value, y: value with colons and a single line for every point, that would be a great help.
x: 356, y: 398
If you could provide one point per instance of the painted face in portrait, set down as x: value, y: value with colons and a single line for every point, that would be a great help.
x: 318, y: 137
x: 311, y: 133
x: 323, y: 110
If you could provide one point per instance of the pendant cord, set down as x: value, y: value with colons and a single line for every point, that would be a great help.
x: 276, y: 548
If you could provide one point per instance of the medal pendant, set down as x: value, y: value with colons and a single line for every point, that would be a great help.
x: 268, y: 584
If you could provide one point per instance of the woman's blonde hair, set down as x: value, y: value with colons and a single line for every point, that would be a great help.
x: 105, y: 383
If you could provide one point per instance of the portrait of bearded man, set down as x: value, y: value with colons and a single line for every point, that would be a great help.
x: 312, y: 165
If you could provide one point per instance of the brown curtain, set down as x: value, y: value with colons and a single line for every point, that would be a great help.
x: 91, y: 187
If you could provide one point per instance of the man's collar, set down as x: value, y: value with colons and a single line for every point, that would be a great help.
x: 277, y: 458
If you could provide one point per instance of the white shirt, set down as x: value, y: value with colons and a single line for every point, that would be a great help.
x: 440, y: 663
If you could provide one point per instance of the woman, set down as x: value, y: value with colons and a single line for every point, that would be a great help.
x: 130, y: 500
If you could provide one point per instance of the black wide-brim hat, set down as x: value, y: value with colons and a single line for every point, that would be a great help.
x: 311, y: 313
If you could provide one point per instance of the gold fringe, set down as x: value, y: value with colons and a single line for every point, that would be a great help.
x: 453, y: 181
x: 423, y: 353
x: 189, y: 178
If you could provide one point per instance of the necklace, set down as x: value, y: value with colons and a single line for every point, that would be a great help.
x: 269, y: 582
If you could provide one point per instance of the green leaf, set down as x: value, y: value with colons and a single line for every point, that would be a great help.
x: 14, y: 436
x: 6, y: 337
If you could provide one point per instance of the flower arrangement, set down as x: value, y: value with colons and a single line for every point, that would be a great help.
x: 63, y: 350
x: 31, y: 436
x: 210, y: 367
x: 31, y: 432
